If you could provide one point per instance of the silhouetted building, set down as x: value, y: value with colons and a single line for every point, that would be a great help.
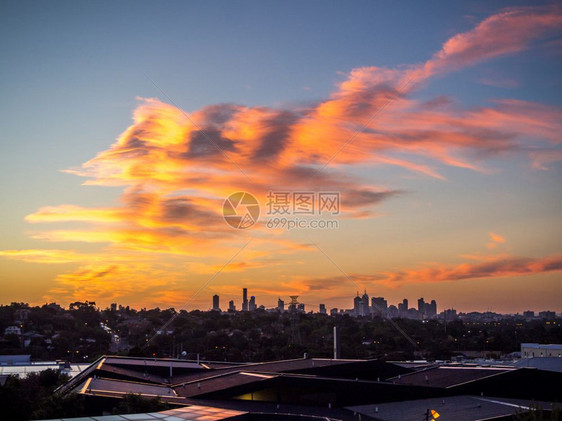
x: 529, y: 314
x: 449, y: 314
x: 547, y: 315
x: 421, y: 305
x: 231, y: 306
x: 333, y: 311
x: 427, y: 310
x: 432, y: 310
x: 252, y: 305
x: 280, y: 305
x: 357, y: 304
x: 403, y: 307
x: 379, y: 306
x: 322, y: 309
x: 244, y: 299
x: 300, y: 308
x: 216, y: 303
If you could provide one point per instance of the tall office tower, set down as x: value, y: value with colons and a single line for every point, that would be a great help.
x: 357, y: 304
x: 252, y: 306
x: 365, y: 310
x: 231, y: 306
x: 421, y: 306
x: 300, y: 308
x: 244, y: 299
x: 322, y: 309
x: 405, y: 305
x: 216, y: 303
x: 280, y: 305
x: 379, y: 306
x: 433, y: 306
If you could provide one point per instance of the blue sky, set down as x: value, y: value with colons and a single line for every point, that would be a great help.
x: 72, y: 73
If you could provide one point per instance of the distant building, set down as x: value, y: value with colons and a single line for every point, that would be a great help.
x: 113, y: 307
x: 432, y: 309
x: 379, y: 306
x: 421, y: 305
x: 365, y: 308
x: 530, y: 350
x: 547, y: 315
x: 427, y: 310
x: 357, y: 304
x: 449, y: 314
x: 12, y: 330
x: 244, y: 299
x: 231, y: 306
x: 334, y: 311
x: 216, y: 303
x: 322, y: 309
x: 300, y: 308
x: 22, y: 314
x: 528, y: 314
x: 280, y: 305
x: 252, y: 305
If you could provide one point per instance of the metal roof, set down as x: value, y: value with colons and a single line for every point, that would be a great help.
x: 458, y: 408
x: 447, y: 376
x: 97, y: 386
x: 192, y: 412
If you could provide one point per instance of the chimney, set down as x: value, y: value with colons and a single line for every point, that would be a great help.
x: 337, y: 350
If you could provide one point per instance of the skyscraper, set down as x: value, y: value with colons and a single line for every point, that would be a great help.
x: 433, y: 309
x: 280, y: 305
x: 421, y: 306
x: 322, y: 309
x: 365, y: 309
x: 231, y: 306
x: 357, y: 304
x: 244, y: 299
x: 216, y: 303
x: 379, y: 306
x: 252, y: 306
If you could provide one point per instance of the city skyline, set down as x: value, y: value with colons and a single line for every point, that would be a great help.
x: 162, y: 156
x: 362, y: 305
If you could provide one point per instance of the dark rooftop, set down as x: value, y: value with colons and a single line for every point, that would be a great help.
x: 447, y: 376
x: 458, y: 408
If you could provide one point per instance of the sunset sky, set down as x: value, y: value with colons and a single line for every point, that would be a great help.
x: 126, y: 125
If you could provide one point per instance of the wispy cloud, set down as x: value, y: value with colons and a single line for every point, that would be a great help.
x: 495, y: 240
x: 493, y: 267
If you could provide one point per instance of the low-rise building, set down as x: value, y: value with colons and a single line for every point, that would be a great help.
x: 531, y: 350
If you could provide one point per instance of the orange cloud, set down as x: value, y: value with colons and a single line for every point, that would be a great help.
x: 507, y: 32
x: 496, y: 267
x: 43, y: 256
x: 496, y: 239
x: 501, y: 267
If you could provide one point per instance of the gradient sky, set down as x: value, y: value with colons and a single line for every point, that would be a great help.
x: 439, y: 124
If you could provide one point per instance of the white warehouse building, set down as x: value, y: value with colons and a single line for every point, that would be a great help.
x: 541, y: 350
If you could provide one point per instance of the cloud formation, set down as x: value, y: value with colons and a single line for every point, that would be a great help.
x: 176, y: 168
x: 501, y: 266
